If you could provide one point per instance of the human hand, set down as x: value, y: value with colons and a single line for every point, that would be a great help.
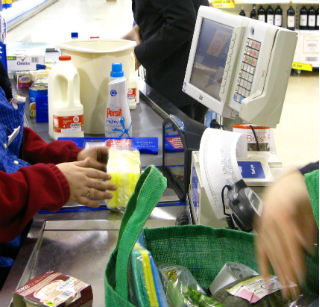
x: 137, y: 63
x: 134, y: 35
x: 86, y: 183
x: 285, y: 230
x: 97, y: 157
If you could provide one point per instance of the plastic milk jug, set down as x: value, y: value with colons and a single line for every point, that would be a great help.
x: 118, y: 119
x: 64, y: 107
x: 132, y: 87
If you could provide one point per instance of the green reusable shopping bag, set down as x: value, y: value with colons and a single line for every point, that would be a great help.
x: 203, y: 250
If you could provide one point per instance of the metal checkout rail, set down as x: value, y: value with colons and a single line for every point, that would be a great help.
x: 77, y: 240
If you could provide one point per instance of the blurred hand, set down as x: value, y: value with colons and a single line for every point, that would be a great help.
x: 97, y: 157
x: 285, y: 230
x: 86, y: 183
x: 137, y: 63
x: 134, y: 35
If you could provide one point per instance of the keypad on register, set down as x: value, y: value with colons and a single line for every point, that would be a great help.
x: 248, y: 68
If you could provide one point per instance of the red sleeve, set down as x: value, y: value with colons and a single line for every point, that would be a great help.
x: 24, y: 193
x: 36, y: 150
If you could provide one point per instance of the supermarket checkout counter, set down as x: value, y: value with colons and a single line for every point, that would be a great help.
x: 78, y: 240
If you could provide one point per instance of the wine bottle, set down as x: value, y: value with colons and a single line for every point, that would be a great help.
x: 242, y: 12
x: 291, y: 18
x: 270, y: 15
x: 278, y: 16
x: 261, y: 14
x: 317, y: 19
x: 311, y: 18
x: 253, y: 13
x: 303, y: 23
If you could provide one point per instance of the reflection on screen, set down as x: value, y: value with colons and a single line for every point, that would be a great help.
x: 211, y: 55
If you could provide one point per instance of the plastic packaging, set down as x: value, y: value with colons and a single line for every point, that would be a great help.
x: 304, y: 300
x: 252, y: 291
x: 145, y: 283
x: 65, y: 108
x: 182, y: 289
x: 124, y: 167
x: 230, y: 272
x: 118, y: 118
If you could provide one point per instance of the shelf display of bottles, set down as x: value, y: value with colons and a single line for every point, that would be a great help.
x: 293, y: 17
x: 278, y: 16
x: 301, y: 16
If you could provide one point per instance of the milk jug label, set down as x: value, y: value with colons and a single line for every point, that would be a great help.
x: 132, y: 94
x: 62, y: 124
x: 116, y: 125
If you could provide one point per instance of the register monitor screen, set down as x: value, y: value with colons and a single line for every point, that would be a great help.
x: 239, y: 66
x: 211, y: 56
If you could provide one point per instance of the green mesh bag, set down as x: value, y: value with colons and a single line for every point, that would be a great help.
x: 202, y: 249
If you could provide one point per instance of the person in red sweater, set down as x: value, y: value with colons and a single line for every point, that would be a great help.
x: 60, y: 172
x: 37, y: 175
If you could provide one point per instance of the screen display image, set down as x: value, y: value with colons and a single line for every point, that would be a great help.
x: 211, y: 56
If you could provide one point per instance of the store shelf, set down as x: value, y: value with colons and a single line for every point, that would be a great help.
x: 22, y: 10
x: 257, y: 2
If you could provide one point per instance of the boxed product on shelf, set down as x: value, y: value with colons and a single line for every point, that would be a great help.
x: 23, y: 56
x: 23, y: 60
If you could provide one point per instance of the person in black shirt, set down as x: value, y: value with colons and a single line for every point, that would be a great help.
x: 163, y: 33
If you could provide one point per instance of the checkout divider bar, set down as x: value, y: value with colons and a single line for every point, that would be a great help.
x: 81, y: 208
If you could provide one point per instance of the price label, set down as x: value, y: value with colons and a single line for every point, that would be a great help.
x: 222, y: 3
x: 302, y: 66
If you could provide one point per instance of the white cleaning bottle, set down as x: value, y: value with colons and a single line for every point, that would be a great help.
x: 64, y: 106
x: 118, y: 119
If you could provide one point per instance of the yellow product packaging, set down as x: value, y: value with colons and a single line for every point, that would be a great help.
x: 124, y: 168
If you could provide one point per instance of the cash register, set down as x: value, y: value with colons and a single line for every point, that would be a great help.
x: 239, y: 68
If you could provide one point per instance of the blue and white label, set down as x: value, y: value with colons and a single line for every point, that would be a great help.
x: 251, y: 169
x: 113, y: 93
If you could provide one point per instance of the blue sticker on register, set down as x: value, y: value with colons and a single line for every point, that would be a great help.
x: 251, y: 169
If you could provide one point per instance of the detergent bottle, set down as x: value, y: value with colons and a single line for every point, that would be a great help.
x: 64, y: 107
x: 118, y: 119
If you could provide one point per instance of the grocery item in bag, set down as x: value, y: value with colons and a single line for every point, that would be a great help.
x: 182, y: 289
x: 146, y: 283
x: 253, y: 290
x: 230, y: 272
